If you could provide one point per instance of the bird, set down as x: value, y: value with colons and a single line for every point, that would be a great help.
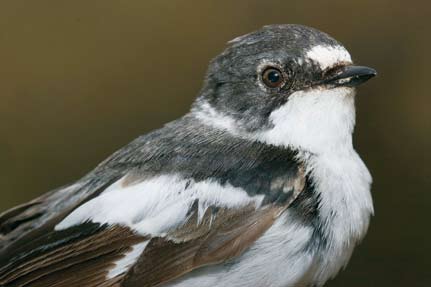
x: 257, y: 185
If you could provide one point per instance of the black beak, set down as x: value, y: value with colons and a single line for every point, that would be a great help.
x: 349, y: 76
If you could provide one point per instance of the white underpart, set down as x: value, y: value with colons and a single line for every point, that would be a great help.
x: 157, y: 205
x: 328, y: 56
x: 343, y: 182
x: 123, y: 265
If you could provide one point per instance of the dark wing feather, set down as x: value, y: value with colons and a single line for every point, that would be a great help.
x: 78, y: 256
x: 83, y: 255
x: 16, y: 221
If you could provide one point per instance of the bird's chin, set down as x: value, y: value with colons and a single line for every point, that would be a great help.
x: 315, y: 120
x: 343, y: 91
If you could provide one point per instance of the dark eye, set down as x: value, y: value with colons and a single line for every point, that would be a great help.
x: 273, y: 77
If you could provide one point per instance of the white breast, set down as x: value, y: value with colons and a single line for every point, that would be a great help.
x: 343, y: 182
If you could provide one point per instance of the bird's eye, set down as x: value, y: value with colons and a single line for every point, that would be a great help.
x: 273, y: 77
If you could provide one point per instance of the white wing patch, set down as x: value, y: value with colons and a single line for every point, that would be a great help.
x: 329, y: 56
x: 128, y: 260
x: 157, y: 205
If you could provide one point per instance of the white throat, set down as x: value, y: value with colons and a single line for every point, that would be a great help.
x: 317, y: 120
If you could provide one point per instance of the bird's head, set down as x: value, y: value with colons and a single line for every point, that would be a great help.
x: 285, y: 85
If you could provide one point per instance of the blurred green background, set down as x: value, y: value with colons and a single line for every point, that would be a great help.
x: 79, y: 79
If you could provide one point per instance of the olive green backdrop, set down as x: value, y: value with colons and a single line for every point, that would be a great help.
x: 79, y: 79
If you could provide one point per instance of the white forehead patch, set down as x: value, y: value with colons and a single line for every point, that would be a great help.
x: 328, y: 56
